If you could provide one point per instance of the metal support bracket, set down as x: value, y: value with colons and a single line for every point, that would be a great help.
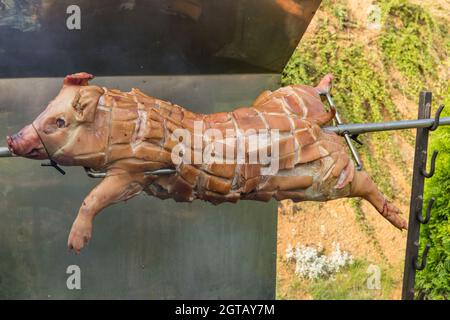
x: 419, y: 215
x: 54, y: 165
x: 419, y: 174
x: 420, y: 266
x: 423, y: 171
x: 348, y: 137
x: 101, y: 174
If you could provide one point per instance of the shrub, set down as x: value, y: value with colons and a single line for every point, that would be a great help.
x: 434, y: 281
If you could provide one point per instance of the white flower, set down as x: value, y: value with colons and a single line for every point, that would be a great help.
x: 311, y: 263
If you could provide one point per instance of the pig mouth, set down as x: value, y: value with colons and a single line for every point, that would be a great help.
x: 36, y: 153
x: 27, y: 144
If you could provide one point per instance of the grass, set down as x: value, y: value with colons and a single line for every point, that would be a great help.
x: 412, y: 43
x: 349, y: 284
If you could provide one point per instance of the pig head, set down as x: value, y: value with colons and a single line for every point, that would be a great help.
x: 129, y: 135
x: 66, y: 131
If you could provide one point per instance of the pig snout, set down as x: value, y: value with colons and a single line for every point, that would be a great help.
x: 26, y: 143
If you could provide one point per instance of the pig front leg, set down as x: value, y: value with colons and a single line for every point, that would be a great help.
x: 112, y: 189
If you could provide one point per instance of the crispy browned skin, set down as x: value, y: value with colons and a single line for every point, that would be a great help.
x: 129, y: 134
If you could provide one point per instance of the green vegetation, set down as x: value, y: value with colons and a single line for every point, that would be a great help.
x: 434, y: 280
x: 349, y: 284
x: 352, y: 284
x: 409, y: 54
x: 416, y: 45
x: 412, y: 44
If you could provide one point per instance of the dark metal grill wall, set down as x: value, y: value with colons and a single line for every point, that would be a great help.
x: 150, y: 36
x: 208, y: 56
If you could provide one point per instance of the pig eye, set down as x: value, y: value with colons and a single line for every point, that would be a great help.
x: 60, y: 123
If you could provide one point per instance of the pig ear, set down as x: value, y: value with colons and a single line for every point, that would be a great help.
x: 85, y: 104
x: 78, y: 79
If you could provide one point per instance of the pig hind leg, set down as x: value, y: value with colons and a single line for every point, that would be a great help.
x: 364, y: 187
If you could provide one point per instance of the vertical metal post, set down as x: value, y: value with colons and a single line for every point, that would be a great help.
x: 416, y: 204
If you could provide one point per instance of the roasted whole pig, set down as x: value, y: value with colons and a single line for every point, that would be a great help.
x: 272, y: 149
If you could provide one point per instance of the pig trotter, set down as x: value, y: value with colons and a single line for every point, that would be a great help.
x: 325, y: 84
x: 80, y: 234
x: 391, y: 213
x: 364, y: 187
x: 114, y: 188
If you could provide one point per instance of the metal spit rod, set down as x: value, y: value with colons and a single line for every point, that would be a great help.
x: 341, y: 129
x: 4, y: 152
x: 354, y: 128
x: 359, y: 128
x: 100, y: 174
